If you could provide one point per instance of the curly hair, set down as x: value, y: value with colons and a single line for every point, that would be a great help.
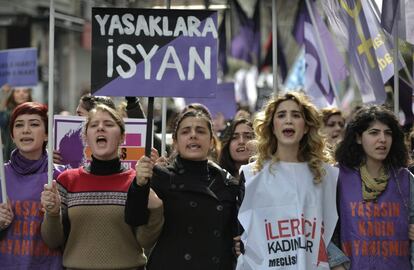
x: 311, y: 147
x: 351, y: 154
x: 225, y: 159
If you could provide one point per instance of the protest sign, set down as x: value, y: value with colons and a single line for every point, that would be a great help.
x: 18, y: 67
x: 75, y: 152
x: 154, y: 53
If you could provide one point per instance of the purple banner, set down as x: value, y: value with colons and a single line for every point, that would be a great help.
x: 245, y: 43
x: 153, y: 52
x: 369, y: 50
x: 18, y: 67
x: 224, y: 102
x: 317, y: 83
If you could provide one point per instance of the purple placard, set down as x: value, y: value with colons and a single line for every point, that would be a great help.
x: 68, y: 140
x: 153, y: 52
x: 224, y: 102
x: 18, y: 67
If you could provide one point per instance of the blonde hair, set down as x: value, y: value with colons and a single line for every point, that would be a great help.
x: 311, y: 147
x: 112, y: 112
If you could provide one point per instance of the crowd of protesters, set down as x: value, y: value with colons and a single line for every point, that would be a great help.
x: 291, y: 187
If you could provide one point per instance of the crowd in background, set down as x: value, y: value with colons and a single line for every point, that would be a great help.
x: 199, y: 208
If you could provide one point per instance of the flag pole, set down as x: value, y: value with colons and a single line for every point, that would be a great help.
x: 2, y: 174
x: 50, y: 90
x: 324, y: 57
x: 164, y: 110
x: 395, y: 60
x: 274, y: 48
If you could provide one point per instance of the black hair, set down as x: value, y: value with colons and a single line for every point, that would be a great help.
x: 225, y: 159
x: 351, y: 154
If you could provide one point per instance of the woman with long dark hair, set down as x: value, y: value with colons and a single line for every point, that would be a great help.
x: 236, y: 149
x: 374, y: 191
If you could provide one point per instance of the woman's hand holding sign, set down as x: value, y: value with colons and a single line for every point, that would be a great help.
x: 6, y: 215
x: 50, y: 199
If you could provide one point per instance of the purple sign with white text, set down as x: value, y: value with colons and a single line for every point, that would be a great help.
x: 154, y: 52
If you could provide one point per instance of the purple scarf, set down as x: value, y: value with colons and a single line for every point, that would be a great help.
x: 24, y: 166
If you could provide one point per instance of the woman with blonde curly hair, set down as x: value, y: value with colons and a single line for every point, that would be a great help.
x: 288, y: 213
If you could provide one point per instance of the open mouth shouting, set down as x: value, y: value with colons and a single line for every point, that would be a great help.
x: 288, y: 132
x: 193, y: 146
x: 101, y: 140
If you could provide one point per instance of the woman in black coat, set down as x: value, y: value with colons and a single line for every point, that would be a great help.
x: 200, y: 202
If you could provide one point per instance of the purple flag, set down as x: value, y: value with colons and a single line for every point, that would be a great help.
x: 368, y: 49
x: 317, y: 83
x: 245, y: 44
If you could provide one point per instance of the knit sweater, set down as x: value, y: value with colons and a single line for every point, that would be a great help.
x: 98, y: 237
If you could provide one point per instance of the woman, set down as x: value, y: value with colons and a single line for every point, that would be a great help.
x: 15, y: 97
x: 133, y: 109
x: 287, y: 211
x: 199, y: 202
x: 236, y: 151
x: 333, y: 125
x: 86, y: 103
x: 92, y: 204
x: 374, y: 191
x: 198, y: 107
x: 21, y: 245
